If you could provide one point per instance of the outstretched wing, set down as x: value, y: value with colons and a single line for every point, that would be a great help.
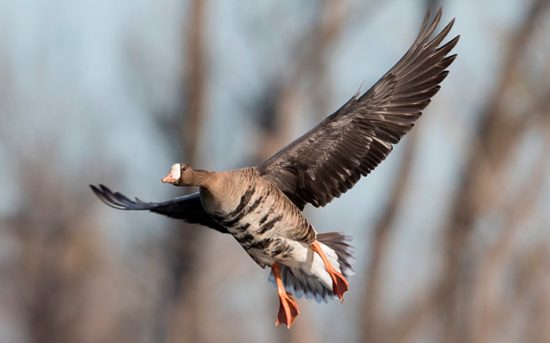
x: 332, y: 157
x: 188, y: 208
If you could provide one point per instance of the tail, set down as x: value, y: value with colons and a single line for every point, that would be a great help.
x: 339, y: 243
x: 314, y: 282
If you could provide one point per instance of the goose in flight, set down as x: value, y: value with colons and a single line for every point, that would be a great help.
x: 261, y: 206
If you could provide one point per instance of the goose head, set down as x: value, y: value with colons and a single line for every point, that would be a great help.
x: 181, y: 174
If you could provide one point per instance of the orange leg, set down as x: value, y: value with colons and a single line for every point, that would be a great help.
x: 339, y: 283
x: 288, y: 308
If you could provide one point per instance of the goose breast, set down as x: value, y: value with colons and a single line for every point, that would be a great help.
x: 260, y: 217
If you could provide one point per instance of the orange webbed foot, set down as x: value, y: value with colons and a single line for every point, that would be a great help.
x: 339, y: 284
x: 288, y: 310
x: 288, y: 307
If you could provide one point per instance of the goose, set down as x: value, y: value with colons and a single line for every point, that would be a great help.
x: 261, y: 206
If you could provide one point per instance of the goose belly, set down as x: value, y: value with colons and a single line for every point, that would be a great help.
x: 265, y: 226
x: 266, y: 243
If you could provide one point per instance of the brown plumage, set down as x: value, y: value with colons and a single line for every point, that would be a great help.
x: 261, y: 206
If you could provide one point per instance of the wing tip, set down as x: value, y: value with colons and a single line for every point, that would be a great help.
x: 109, y: 198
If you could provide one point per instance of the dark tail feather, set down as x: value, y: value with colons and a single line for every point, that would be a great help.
x: 339, y: 243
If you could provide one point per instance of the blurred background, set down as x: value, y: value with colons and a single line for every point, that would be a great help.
x: 451, y: 232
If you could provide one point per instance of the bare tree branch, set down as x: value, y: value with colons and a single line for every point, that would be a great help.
x: 475, y: 192
x: 57, y: 253
x: 518, y: 209
x: 185, y: 242
x: 374, y: 325
x: 195, y: 81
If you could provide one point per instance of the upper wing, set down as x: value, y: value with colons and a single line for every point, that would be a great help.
x: 188, y: 207
x: 328, y: 160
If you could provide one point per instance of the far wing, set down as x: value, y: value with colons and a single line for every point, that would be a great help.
x: 188, y: 208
